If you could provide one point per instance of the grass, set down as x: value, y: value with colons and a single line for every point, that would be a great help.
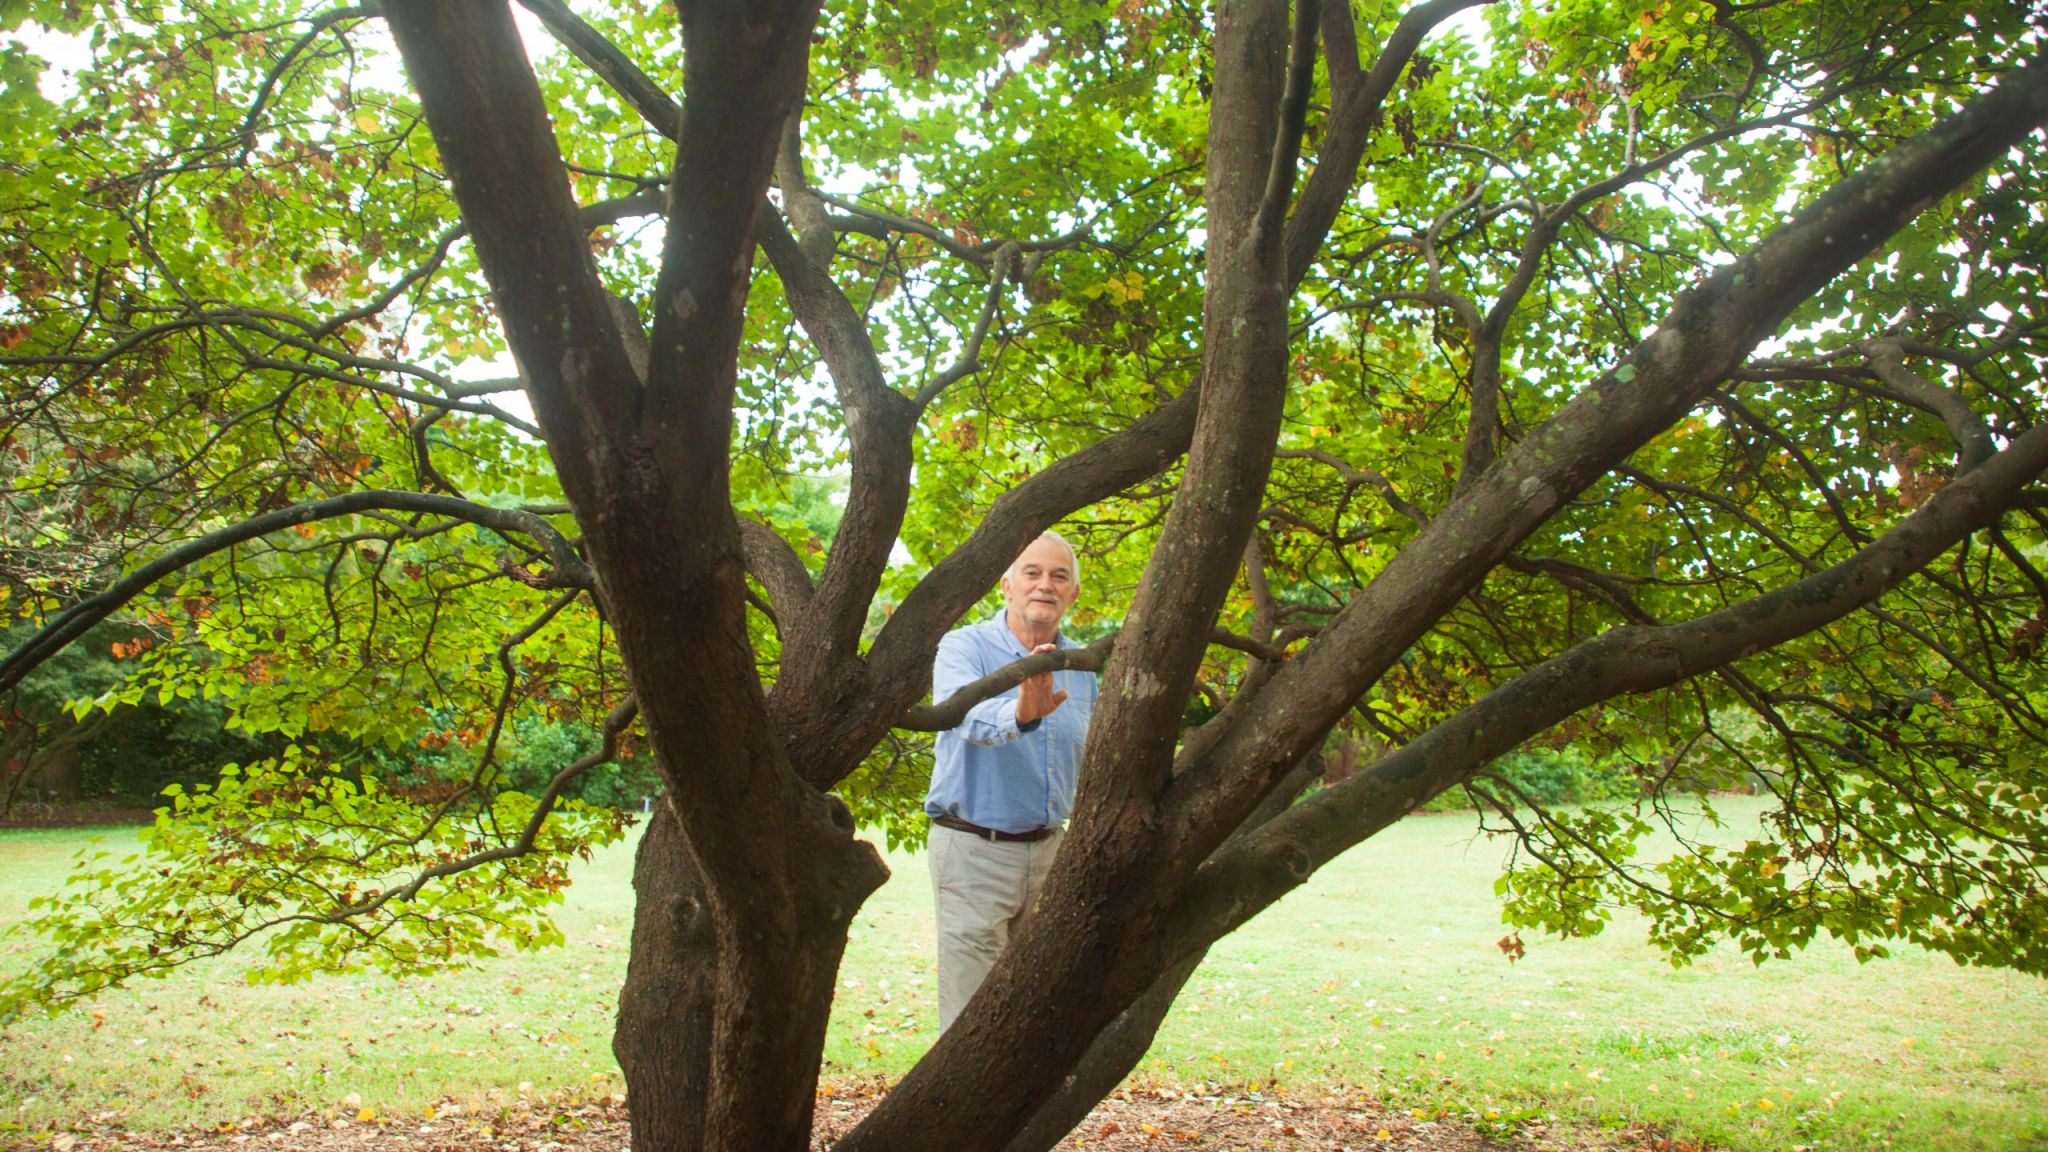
x: 1383, y: 974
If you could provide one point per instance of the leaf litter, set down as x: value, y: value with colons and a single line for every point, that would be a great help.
x: 1149, y: 1117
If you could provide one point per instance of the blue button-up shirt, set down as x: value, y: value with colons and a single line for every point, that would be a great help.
x: 988, y: 771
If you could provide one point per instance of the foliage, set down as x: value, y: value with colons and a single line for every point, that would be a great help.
x: 151, y: 746
x: 314, y: 864
x: 532, y: 750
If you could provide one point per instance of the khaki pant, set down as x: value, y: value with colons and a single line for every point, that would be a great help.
x: 981, y: 891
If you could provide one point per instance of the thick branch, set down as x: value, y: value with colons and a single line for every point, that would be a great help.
x: 492, y: 127
x: 879, y: 423
x: 1245, y: 366
x: 1119, y: 1046
x: 745, y: 78
x: 611, y: 65
x: 1965, y: 426
x: 1349, y: 126
x: 777, y: 566
x: 940, y: 717
x: 1292, y: 119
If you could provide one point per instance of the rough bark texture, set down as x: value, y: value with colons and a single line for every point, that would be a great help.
x: 663, y: 1034
x: 1116, y: 1050
x: 643, y: 461
x: 1095, y: 935
x: 1118, y: 1047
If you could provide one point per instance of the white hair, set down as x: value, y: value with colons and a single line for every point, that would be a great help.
x: 1072, y: 556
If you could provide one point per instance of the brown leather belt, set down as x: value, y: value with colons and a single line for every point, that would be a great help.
x: 991, y: 834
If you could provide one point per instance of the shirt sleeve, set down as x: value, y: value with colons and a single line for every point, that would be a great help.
x: 993, y: 721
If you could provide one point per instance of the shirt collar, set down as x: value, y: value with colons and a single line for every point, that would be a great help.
x: 1001, y: 623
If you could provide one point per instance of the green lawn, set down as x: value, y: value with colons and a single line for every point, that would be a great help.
x: 1383, y: 973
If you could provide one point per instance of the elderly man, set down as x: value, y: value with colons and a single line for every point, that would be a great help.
x: 1004, y: 778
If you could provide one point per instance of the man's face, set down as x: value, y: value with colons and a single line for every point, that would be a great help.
x: 1040, y: 586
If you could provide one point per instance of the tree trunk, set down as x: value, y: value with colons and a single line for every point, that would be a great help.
x: 1119, y: 1047
x: 688, y: 968
x: 663, y: 1035
x: 1117, y: 1050
x: 57, y: 774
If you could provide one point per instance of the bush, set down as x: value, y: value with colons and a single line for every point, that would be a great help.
x: 146, y: 747
x: 127, y: 755
x: 540, y: 748
x: 530, y: 752
x: 1548, y: 776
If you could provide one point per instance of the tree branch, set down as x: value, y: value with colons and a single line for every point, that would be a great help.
x: 619, y: 719
x: 488, y: 117
x: 744, y: 80
x: 73, y: 622
x: 1704, y: 336
x: 1291, y: 121
x: 969, y: 361
x: 777, y: 566
x: 1972, y: 439
x: 611, y: 65
x: 1348, y: 128
x: 1354, y: 477
x: 949, y: 714
x: 1245, y: 877
x: 879, y: 426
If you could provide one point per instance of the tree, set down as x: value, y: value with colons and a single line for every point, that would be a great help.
x: 1595, y: 386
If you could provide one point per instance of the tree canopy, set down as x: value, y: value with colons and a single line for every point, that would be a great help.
x: 1659, y: 380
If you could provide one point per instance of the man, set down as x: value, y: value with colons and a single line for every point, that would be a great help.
x: 1003, y: 781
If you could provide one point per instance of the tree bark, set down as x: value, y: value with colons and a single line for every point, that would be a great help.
x: 1116, y: 1050
x: 643, y: 458
x: 1095, y: 936
x: 1119, y: 1047
x: 663, y: 1034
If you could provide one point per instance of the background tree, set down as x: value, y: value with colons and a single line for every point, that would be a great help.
x: 1660, y: 380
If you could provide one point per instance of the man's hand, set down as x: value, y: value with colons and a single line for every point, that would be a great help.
x: 1036, y: 697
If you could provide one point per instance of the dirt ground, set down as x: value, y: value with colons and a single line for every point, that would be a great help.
x: 1153, y: 1119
